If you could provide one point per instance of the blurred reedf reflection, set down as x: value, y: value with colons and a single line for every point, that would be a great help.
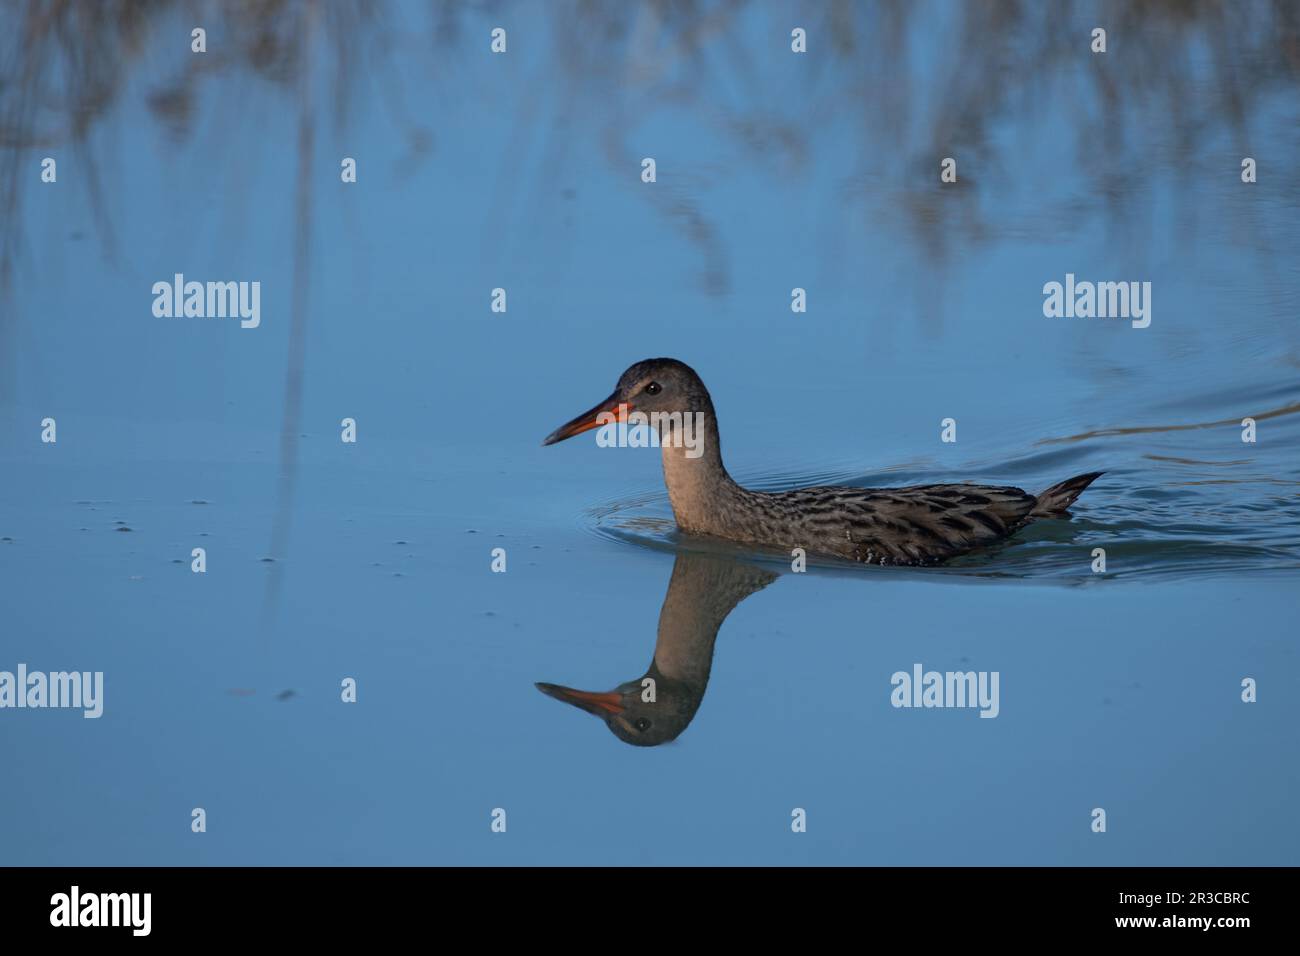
x: 703, y: 590
x: 917, y: 81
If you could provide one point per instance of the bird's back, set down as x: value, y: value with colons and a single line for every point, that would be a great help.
x: 920, y: 524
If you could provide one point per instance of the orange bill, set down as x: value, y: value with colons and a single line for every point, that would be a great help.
x: 592, y: 703
x: 590, y: 419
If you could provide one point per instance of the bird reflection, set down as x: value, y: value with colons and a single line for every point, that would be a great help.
x: 656, y: 707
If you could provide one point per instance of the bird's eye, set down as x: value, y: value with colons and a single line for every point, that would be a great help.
x: 642, y: 724
x: 654, y: 388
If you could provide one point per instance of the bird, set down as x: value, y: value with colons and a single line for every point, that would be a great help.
x: 917, y: 525
x: 655, y: 708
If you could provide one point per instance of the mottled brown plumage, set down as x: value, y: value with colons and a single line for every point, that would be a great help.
x: 916, y: 525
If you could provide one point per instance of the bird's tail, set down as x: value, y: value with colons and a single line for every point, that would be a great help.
x: 1055, y: 500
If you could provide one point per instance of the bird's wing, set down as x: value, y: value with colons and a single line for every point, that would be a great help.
x: 915, y: 525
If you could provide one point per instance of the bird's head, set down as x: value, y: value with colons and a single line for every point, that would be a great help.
x: 638, y: 713
x: 662, y: 385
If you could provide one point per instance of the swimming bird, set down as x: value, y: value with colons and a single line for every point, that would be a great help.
x: 657, y: 707
x: 915, y: 525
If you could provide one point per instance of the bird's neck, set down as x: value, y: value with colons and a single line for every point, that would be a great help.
x: 703, y: 590
x: 699, y: 487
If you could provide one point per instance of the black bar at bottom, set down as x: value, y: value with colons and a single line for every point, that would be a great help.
x: 372, y: 904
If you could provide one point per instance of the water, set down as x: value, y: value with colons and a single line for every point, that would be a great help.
x: 222, y: 690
